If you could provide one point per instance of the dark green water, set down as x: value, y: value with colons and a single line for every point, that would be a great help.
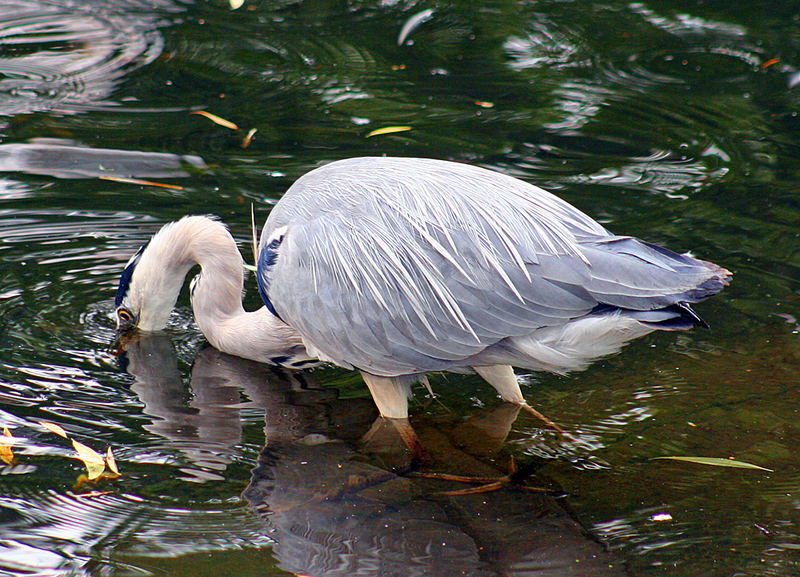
x: 675, y: 122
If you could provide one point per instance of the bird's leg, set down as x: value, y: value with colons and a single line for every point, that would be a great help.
x: 419, y: 456
x: 394, y: 440
x: 390, y: 395
x: 503, y: 379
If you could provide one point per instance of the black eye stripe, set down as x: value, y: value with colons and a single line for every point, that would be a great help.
x: 127, y: 274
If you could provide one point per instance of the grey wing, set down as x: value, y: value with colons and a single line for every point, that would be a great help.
x: 412, y: 269
x: 389, y: 307
x: 398, y: 266
x: 632, y: 274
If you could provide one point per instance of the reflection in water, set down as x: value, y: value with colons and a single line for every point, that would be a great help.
x: 203, y: 424
x: 331, y: 504
x: 67, y: 56
x: 65, y: 159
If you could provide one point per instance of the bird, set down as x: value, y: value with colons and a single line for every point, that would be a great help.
x: 398, y: 267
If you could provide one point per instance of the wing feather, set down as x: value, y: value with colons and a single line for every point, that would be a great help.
x: 399, y: 266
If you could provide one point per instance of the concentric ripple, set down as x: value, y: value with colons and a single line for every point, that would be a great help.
x: 648, y: 98
x: 81, y: 524
x: 67, y: 57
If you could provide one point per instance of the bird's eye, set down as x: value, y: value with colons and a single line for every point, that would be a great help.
x: 124, y: 315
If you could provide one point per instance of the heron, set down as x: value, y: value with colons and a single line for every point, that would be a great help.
x: 400, y: 267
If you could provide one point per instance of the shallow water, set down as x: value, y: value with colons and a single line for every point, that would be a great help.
x: 675, y: 123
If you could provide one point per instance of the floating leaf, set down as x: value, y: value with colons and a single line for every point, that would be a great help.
x: 249, y: 137
x: 142, y: 182
x: 91, y: 495
x: 717, y: 462
x: 388, y: 130
x: 412, y: 23
x: 770, y: 62
x: 6, y: 454
x: 236, y: 4
x: 6, y: 442
x: 484, y: 104
x: 53, y: 428
x: 216, y: 119
x: 112, y: 462
x: 95, y: 464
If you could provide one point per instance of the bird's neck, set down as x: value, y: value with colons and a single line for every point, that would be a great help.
x: 216, y: 292
x: 258, y: 335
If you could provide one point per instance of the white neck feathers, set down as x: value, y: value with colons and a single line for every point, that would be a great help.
x: 216, y: 292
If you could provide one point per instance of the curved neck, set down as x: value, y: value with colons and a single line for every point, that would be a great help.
x: 216, y: 292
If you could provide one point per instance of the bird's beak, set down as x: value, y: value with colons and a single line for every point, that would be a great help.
x: 123, y: 340
x: 126, y: 335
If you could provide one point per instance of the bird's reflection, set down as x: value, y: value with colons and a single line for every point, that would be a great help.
x: 325, y: 482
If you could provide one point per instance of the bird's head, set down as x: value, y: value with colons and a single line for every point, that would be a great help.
x: 128, y: 305
x: 152, y: 279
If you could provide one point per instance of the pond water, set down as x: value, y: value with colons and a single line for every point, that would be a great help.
x: 675, y: 122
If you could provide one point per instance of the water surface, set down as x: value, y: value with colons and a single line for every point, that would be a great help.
x: 673, y: 122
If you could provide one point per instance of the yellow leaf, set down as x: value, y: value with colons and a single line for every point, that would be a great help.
x: 95, y: 465
x: 142, y: 182
x: 6, y: 454
x: 236, y: 4
x: 6, y: 442
x: 216, y: 119
x: 111, y: 462
x: 249, y: 137
x: 53, y: 428
x: 388, y: 130
x: 92, y: 495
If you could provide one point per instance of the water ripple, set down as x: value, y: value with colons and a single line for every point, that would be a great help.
x: 79, y: 524
x: 650, y: 100
x: 683, y: 24
x: 544, y: 45
x: 66, y: 57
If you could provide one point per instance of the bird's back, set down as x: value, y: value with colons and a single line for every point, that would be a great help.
x: 404, y: 265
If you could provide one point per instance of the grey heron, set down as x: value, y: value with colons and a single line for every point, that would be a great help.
x: 398, y: 267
